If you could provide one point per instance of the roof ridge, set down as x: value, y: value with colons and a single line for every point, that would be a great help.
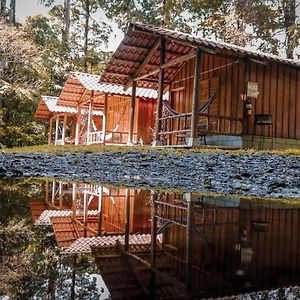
x: 233, y: 47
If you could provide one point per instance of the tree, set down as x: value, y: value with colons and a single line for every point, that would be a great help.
x: 67, y: 21
x: 3, y: 12
x: 20, y: 81
x: 12, y: 12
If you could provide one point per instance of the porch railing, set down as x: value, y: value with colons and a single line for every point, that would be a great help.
x: 175, y: 129
x: 95, y: 137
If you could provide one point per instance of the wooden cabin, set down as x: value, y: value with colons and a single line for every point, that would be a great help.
x: 219, y: 93
x: 83, y: 91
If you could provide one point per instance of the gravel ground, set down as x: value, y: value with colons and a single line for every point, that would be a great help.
x: 256, y: 174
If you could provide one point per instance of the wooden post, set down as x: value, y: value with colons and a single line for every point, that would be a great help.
x: 131, y: 113
x: 127, y: 219
x: 60, y: 190
x: 53, y: 192
x: 50, y: 131
x: 100, y: 210
x: 78, y: 121
x: 64, y: 130
x: 194, y: 140
x: 47, y: 191
x: 74, y: 206
x: 160, y: 92
x: 104, y: 118
x: 189, y: 243
x: 89, y: 122
x: 56, y: 129
x: 85, y: 210
x: 153, y: 230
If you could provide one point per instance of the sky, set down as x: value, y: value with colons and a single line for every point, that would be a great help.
x: 26, y: 8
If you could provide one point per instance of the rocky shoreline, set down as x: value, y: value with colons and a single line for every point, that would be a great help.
x: 254, y: 174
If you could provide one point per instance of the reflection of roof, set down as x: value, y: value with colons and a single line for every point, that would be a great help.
x: 37, y: 207
x: 46, y: 215
x: 127, y: 277
x: 83, y: 245
x: 48, y: 105
x: 141, y: 39
x: 67, y: 231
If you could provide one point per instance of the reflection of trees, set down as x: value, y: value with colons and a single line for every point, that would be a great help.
x: 30, y: 264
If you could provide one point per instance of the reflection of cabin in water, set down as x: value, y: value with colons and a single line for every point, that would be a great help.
x: 88, y: 211
x: 225, y: 94
x: 100, y: 112
x: 211, y: 246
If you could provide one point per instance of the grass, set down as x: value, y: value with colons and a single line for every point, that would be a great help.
x: 117, y: 148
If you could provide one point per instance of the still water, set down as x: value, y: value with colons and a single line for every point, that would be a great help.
x: 64, y: 240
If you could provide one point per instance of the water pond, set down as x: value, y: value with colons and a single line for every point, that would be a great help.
x: 71, y: 240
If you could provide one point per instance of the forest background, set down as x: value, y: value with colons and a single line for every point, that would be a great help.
x: 37, y: 55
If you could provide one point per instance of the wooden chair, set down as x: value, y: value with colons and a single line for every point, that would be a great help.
x: 263, y: 121
x: 202, y: 130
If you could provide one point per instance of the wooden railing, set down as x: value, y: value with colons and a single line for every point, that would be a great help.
x: 176, y: 128
x: 95, y: 138
x: 118, y: 137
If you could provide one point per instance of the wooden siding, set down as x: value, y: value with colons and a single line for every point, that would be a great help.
x: 275, y: 257
x: 118, y: 119
x: 279, y: 94
x: 144, y: 119
x: 218, y: 73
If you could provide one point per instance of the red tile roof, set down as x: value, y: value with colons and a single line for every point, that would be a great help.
x: 139, y: 40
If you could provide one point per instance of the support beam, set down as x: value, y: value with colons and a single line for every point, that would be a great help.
x: 60, y: 191
x: 189, y: 43
x: 90, y: 119
x: 194, y: 140
x: 100, y: 210
x: 104, y: 118
x: 189, y: 243
x: 64, y: 130
x: 153, y: 230
x: 78, y: 122
x: 74, y: 206
x: 50, y: 131
x: 56, y: 130
x: 144, y: 63
x: 132, y: 113
x: 127, y: 219
x: 160, y: 92
x: 169, y: 64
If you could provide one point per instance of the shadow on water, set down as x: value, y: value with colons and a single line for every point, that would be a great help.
x: 56, y: 238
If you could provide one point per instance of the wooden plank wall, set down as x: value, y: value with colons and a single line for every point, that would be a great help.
x: 146, y: 119
x: 118, y: 113
x: 276, y: 253
x: 216, y: 72
x: 279, y: 95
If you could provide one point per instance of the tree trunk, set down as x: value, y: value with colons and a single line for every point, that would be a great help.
x: 86, y: 34
x: 67, y: 22
x: 289, y: 10
x: 3, y: 8
x: 12, y: 12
